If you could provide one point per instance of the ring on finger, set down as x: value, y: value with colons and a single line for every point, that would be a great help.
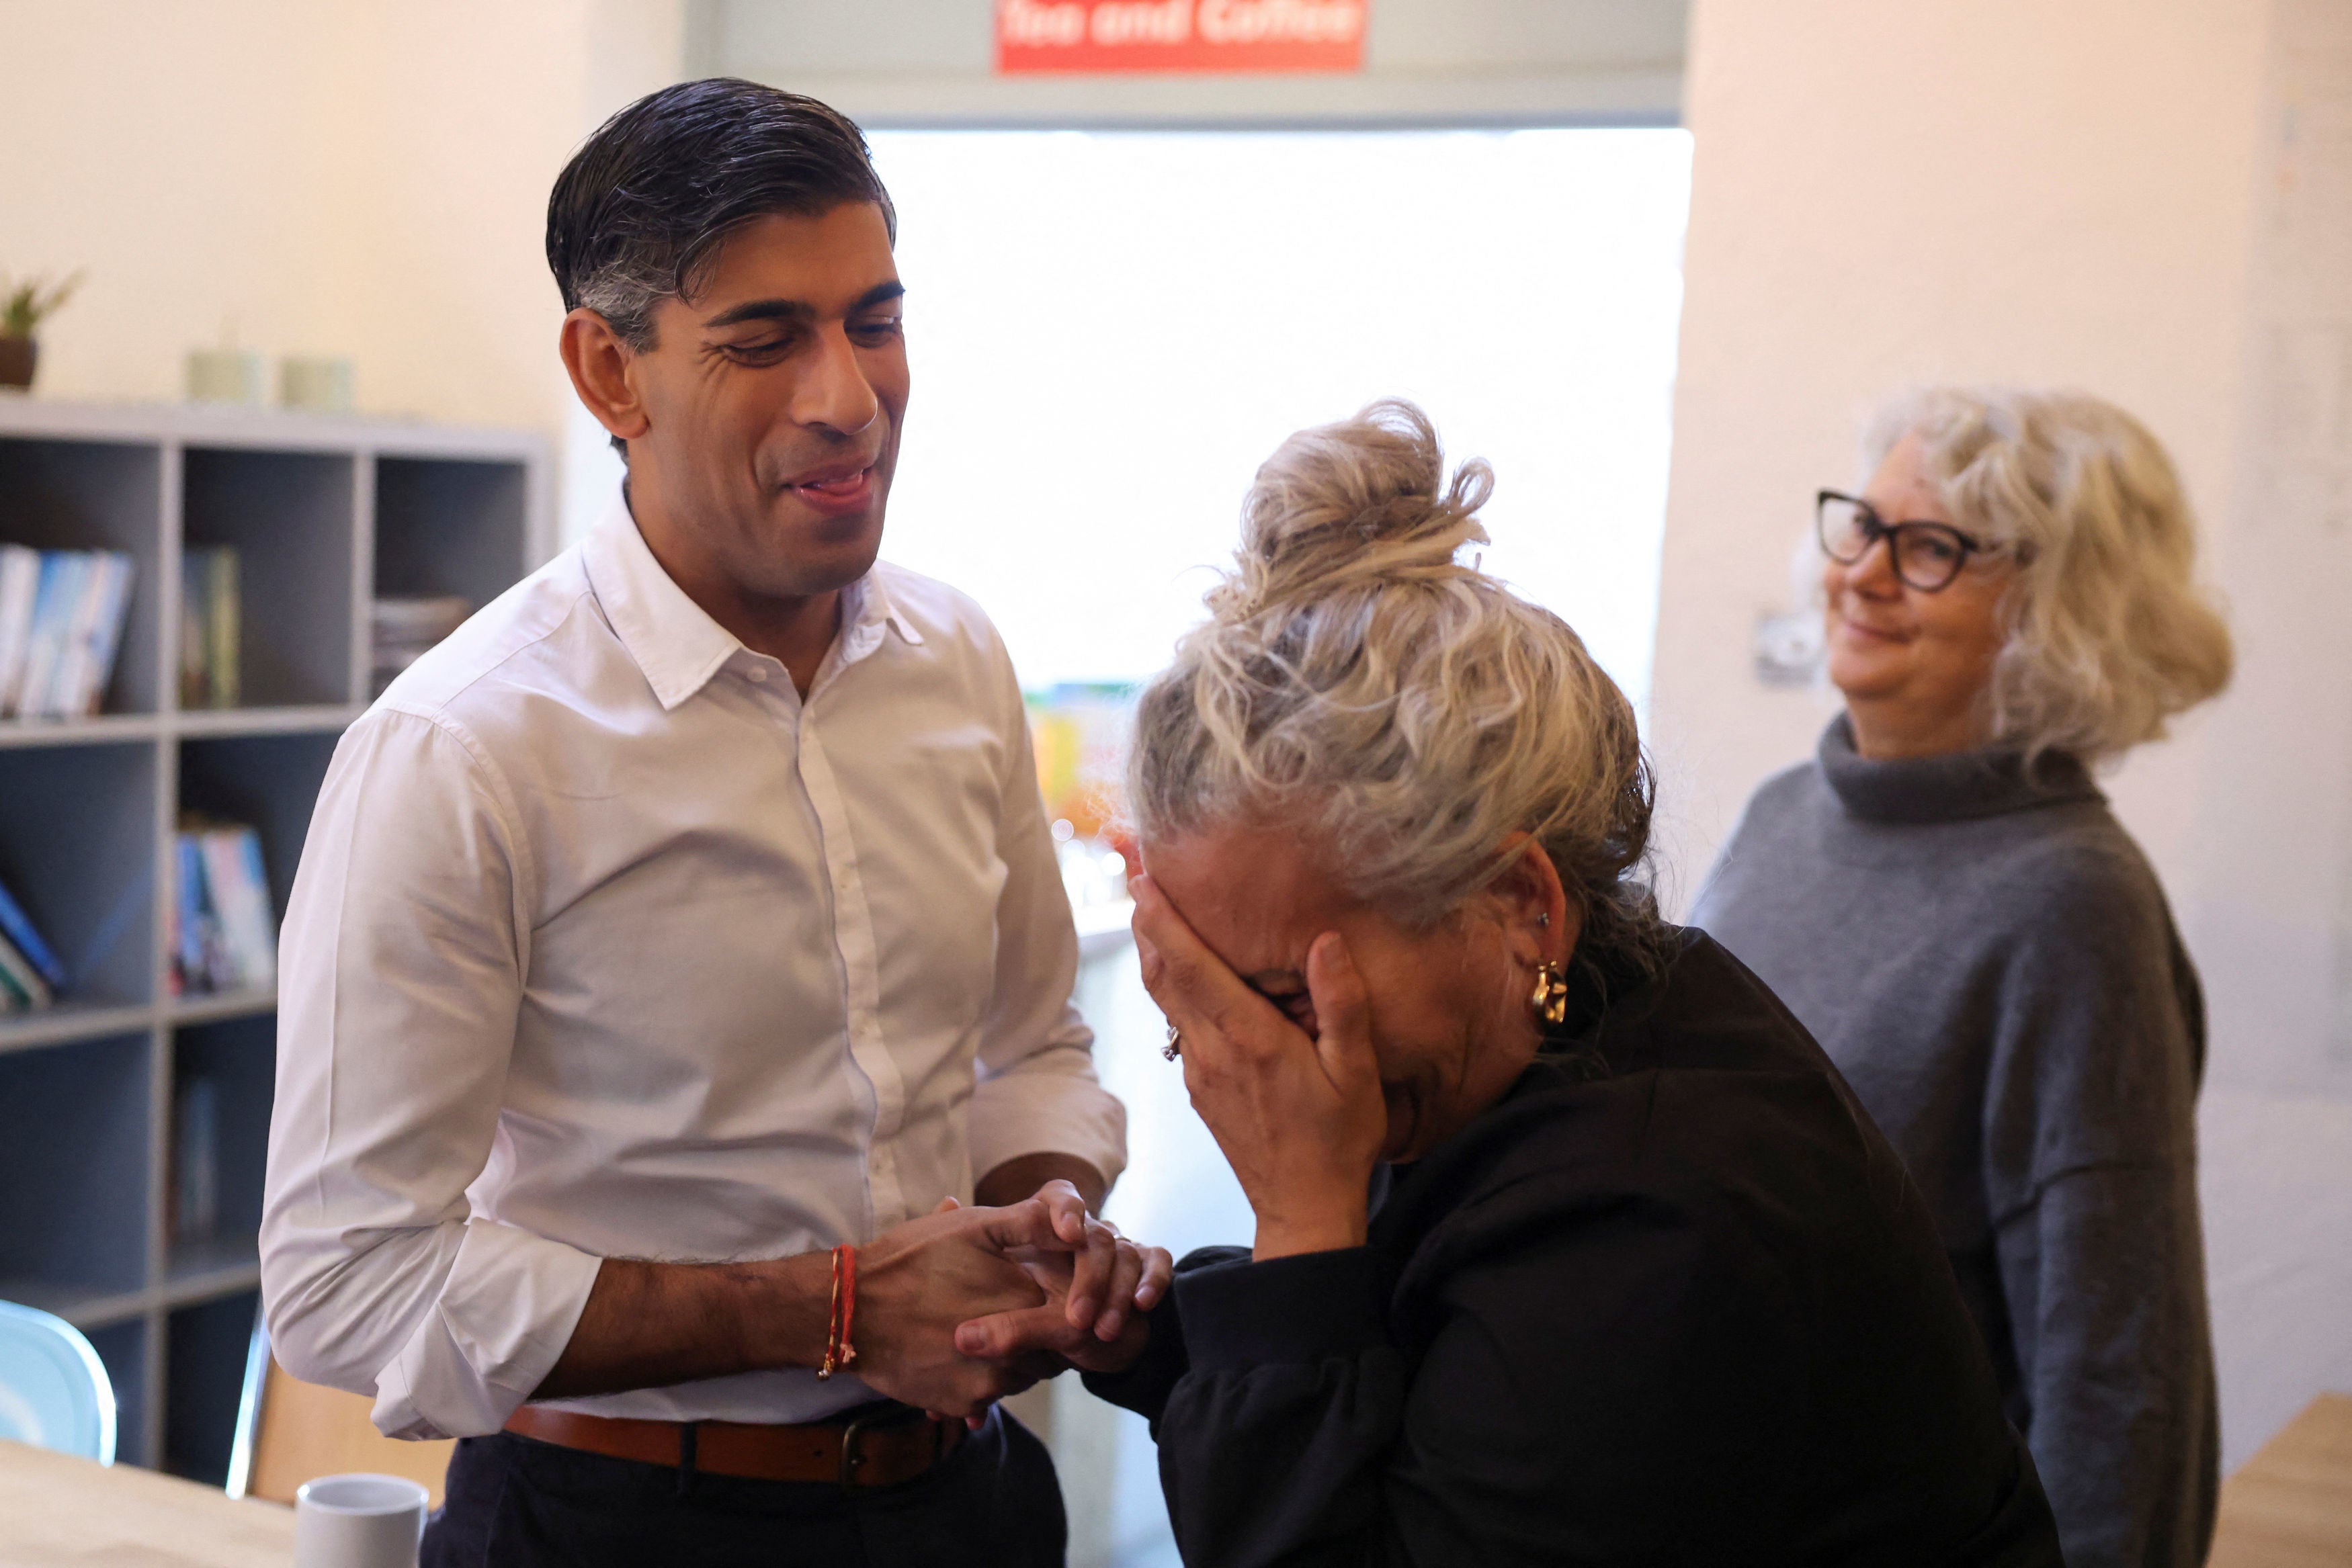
x: 1175, y: 1046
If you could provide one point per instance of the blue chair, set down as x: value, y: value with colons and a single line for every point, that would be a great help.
x: 54, y: 1391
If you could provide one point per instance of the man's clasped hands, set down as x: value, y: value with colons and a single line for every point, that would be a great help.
x: 964, y: 1306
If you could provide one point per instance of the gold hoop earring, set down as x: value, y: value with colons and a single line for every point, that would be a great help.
x: 1549, y: 998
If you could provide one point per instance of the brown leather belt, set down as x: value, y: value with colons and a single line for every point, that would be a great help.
x: 875, y: 1446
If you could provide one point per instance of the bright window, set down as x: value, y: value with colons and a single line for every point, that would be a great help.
x: 1110, y: 330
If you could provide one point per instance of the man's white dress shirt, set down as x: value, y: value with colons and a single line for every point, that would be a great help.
x: 607, y: 943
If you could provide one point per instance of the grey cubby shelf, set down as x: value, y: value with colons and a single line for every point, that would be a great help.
x: 326, y: 513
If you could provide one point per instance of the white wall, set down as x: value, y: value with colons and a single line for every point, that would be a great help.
x: 2086, y: 195
x: 368, y: 177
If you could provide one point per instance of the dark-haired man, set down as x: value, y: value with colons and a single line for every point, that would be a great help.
x: 688, y: 916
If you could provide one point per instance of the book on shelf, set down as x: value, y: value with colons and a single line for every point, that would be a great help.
x: 193, y: 1202
x: 17, y: 927
x: 400, y: 630
x: 20, y: 583
x: 30, y: 975
x: 22, y: 989
x: 224, y: 932
x: 61, y: 615
x: 62, y: 573
x: 97, y: 636
x: 210, y: 627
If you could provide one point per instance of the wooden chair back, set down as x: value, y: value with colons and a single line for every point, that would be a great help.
x: 289, y: 1432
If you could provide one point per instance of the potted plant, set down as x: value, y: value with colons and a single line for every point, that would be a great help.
x: 23, y: 307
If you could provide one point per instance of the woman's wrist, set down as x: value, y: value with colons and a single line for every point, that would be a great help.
x: 1326, y: 1229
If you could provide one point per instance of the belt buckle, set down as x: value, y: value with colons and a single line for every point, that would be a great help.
x: 879, y: 1418
x: 883, y: 1417
x: 850, y: 1457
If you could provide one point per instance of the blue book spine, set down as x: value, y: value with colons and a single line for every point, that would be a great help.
x: 19, y: 930
x: 189, y: 959
x: 60, y: 591
x: 106, y: 636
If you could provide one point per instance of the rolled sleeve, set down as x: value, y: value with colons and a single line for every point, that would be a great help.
x: 1048, y: 1103
x: 401, y: 972
x: 505, y: 1310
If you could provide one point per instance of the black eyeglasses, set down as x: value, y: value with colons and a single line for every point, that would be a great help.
x: 1927, y: 556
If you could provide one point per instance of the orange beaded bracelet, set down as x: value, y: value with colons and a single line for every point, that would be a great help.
x: 843, y: 1318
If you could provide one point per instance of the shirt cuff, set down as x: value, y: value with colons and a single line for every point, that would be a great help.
x: 1016, y: 1113
x: 1306, y: 1307
x: 504, y: 1315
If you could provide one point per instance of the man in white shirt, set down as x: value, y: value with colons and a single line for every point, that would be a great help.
x: 686, y: 921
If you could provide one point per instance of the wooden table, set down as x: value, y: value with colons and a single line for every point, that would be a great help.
x: 2291, y: 1506
x: 61, y: 1512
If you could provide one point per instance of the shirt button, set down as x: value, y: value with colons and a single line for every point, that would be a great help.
x: 758, y: 673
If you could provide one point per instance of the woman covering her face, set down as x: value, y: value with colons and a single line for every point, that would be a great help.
x: 1943, y: 899
x: 1637, y: 1281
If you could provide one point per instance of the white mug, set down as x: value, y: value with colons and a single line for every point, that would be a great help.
x: 358, y: 1522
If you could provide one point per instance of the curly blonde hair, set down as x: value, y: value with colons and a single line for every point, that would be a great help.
x: 1357, y: 679
x: 2108, y: 634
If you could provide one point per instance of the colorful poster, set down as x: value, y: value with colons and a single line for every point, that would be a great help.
x: 1181, y: 36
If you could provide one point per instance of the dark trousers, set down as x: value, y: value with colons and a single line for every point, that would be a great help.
x: 514, y: 1502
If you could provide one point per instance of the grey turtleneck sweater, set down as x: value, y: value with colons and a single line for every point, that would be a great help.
x: 1990, y: 961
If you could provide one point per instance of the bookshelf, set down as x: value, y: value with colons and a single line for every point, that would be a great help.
x: 326, y: 513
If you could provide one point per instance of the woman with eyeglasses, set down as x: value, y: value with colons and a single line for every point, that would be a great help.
x: 1943, y: 897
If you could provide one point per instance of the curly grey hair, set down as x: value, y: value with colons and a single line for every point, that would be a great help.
x: 2108, y: 634
x: 1410, y: 711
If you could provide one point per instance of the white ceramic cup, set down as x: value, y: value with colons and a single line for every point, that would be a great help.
x: 358, y: 1522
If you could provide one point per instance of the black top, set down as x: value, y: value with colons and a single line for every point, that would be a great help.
x: 1671, y: 1300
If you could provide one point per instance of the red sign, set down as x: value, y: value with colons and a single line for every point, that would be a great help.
x: 1186, y: 35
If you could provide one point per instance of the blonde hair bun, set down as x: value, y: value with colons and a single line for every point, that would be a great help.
x: 1354, y: 503
x: 1405, y: 711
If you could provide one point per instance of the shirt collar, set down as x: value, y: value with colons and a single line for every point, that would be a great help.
x: 866, y: 608
x: 674, y: 640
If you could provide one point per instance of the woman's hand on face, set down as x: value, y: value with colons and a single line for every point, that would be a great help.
x: 1301, y: 1118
